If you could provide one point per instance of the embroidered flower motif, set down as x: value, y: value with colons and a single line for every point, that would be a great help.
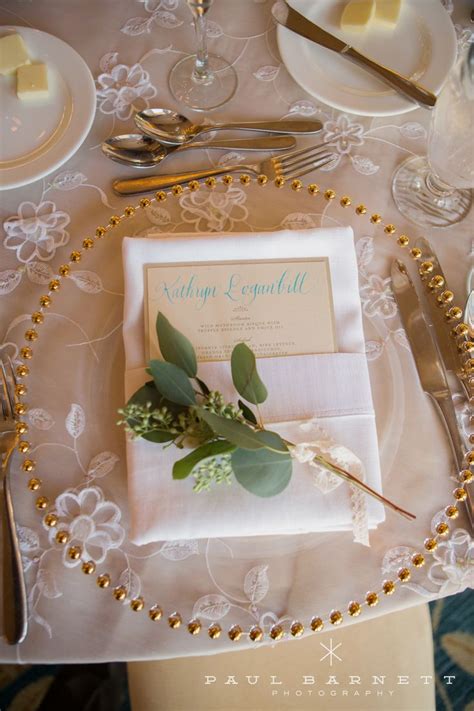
x: 92, y: 523
x: 37, y: 231
x: 214, y: 211
x: 377, y: 297
x: 454, y: 570
x: 124, y: 90
x: 344, y: 134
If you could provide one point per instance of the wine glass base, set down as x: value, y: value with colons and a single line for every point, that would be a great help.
x: 203, y: 96
x: 415, y: 201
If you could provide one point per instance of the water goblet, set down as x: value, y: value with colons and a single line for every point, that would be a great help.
x: 202, y: 81
x: 435, y: 191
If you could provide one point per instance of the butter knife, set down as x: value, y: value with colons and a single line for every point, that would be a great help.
x: 296, y: 22
x: 453, y: 360
x: 428, y: 364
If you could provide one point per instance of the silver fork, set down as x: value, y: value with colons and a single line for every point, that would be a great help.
x: 291, y: 165
x: 15, y: 613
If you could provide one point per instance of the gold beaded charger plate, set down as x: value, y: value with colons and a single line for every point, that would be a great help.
x: 70, y: 385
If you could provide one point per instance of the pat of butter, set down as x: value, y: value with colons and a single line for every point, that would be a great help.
x: 357, y: 14
x: 388, y: 11
x: 32, y: 81
x: 13, y: 53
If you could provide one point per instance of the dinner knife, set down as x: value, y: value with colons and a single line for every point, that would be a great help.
x: 452, y: 358
x: 428, y: 363
x: 296, y: 22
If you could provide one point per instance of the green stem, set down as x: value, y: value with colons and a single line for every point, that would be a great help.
x: 347, y: 476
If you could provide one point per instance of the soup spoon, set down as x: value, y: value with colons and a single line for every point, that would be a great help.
x: 141, y: 151
x: 172, y: 128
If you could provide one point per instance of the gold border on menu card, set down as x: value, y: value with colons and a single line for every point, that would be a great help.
x: 301, y: 260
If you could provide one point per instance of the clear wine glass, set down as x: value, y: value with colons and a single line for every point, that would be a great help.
x: 202, y: 81
x: 436, y: 191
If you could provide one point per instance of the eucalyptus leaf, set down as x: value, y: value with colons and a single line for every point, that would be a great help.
x: 184, y: 467
x: 175, y: 347
x: 239, y: 434
x: 263, y: 472
x: 272, y: 440
x: 247, y: 412
x: 172, y: 382
x: 244, y: 374
x: 203, y: 386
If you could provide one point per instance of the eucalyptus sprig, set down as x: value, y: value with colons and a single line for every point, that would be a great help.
x: 177, y: 408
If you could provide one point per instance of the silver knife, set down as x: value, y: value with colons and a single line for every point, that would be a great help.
x: 453, y: 359
x: 295, y: 21
x: 428, y: 364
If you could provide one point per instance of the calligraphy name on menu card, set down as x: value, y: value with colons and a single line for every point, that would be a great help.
x: 277, y: 307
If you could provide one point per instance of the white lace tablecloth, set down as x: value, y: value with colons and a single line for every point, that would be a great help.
x: 77, y: 374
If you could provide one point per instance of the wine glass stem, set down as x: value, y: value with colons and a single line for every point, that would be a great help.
x: 436, y: 186
x: 202, y: 74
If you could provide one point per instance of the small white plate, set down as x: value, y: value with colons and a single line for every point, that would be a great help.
x: 422, y: 46
x: 36, y: 137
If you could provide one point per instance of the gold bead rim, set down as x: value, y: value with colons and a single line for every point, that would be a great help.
x: 256, y: 633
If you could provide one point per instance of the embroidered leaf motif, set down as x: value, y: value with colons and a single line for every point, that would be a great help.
x: 68, y: 180
x: 179, y: 550
x: 373, y: 349
x: 75, y: 421
x: 39, y: 272
x: 303, y: 108
x: 41, y: 419
x: 413, y: 130
x: 46, y: 582
x: 9, y: 280
x: 401, y: 338
x: 87, y: 281
x: 364, y: 165
x: 256, y: 583
x: 42, y: 622
x: 214, y: 30
x: 101, y: 464
x: 211, y: 607
x: 108, y: 61
x: 169, y: 4
x: 266, y: 73
x: 230, y: 158
x: 158, y: 215
x: 397, y: 558
x: 364, y: 252
x: 460, y: 647
x: 136, y: 26
x: 298, y: 221
x: 131, y: 581
x: 166, y: 19
x: 27, y: 538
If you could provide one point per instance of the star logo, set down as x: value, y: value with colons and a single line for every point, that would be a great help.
x: 330, y: 652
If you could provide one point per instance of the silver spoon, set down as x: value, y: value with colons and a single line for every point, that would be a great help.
x: 141, y: 151
x: 173, y: 129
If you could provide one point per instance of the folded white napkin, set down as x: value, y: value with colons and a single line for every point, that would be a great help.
x: 333, y: 388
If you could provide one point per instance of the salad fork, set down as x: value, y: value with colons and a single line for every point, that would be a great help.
x: 291, y: 165
x: 14, y: 592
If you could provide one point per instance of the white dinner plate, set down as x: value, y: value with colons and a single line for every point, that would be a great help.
x: 36, y: 137
x: 422, y: 46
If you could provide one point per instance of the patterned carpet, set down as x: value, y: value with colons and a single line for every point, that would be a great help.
x: 103, y: 687
x: 452, y: 620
